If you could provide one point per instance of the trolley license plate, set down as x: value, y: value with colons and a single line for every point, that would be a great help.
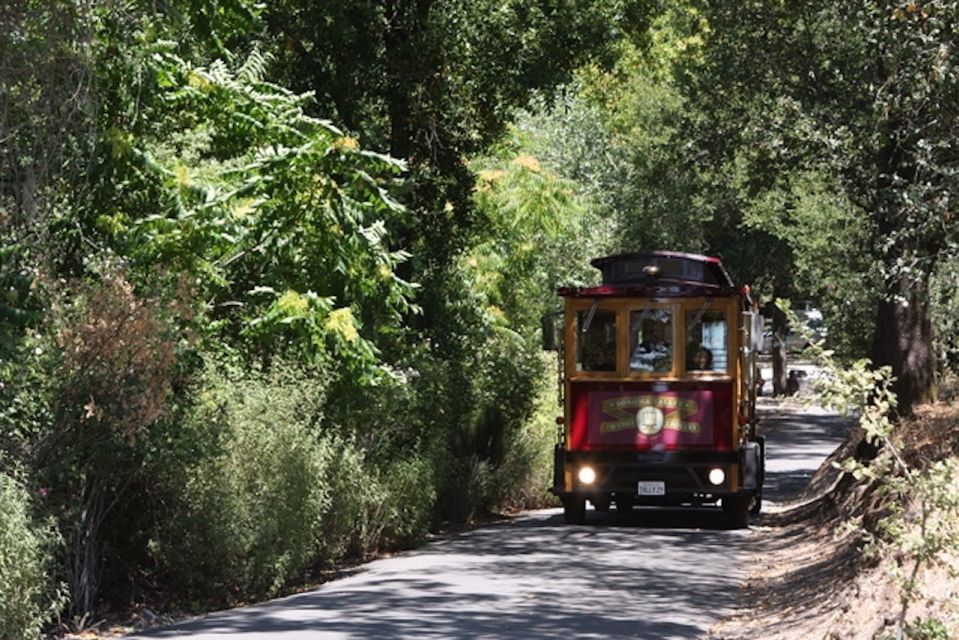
x: 651, y: 488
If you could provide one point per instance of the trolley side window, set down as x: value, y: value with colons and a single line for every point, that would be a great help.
x: 706, y: 331
x: 650, y: 335
x: 596, y: 340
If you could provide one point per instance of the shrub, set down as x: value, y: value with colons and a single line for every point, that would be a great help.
x: 919, y: 520
x: 275, y: 490
x: 411, y: 498
x: 28, y: 597
x: 520, y: 482
x: 372, y: 509
x: 931, y: 629
x: 101, y: 374
x: 497, y: 441
x: 249, y: 511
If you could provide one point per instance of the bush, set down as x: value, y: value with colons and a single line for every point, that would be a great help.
x: 276, y: 490
x: 498, y: 442
x: 351, y: 526
x: 945, y: 295
x: 372, y: 509
x: 931, y: 629
x: 409, y: 486
x: 28, y: 596
x: 250, y: 511
x: 521, y: 480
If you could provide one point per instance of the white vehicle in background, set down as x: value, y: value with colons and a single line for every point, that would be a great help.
x: 811, y: 317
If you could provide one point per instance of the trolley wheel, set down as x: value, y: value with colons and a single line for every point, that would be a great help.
x: 736, y: 509
x: 600, y: 504
x: 574, y: 510
x: 757, y: 503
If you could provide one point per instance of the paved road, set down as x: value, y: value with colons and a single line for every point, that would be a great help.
x: 650, y: 574
x: 798, y: 442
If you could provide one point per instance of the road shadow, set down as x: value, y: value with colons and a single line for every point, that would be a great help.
x: 797, y: 443
x: 534, y: 577
x: 653, y: 573
x: 709, y: 518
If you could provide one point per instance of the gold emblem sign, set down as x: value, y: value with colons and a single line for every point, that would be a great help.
x: 649, y: 420
x: 650, y: 417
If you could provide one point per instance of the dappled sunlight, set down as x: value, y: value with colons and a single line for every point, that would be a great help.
x: 532, y: 577
x: 649, y: 573
x: 798, y: 442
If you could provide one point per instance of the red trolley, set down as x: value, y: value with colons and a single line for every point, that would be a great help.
x: 658, y: 376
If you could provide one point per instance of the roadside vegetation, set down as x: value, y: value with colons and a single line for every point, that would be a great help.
x: 272, y: 274
x: 897, y: 498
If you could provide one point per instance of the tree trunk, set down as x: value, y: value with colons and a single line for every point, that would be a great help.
x: 780, y: 374
x: 903, y: 340
x: 83, y: 567
x: 406, y: 22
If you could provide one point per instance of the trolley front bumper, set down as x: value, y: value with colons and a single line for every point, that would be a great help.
x: 658, y: 477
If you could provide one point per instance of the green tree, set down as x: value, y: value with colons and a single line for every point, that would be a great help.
x: 648, y: 158
x: 198, y: 200
x: 279, y: 216
x: 867, y: 94
x: 435, y: 83
x: 540, y: 234
x: 438, y: 81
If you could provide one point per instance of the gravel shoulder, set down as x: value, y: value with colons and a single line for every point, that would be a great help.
x: 810, y: 579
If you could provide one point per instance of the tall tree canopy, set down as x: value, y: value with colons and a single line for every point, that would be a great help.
x: 866, y: 96
x: 199, y: 196
x: 438, y: 80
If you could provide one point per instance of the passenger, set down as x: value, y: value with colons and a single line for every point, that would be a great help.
x: 654, y: 353
x: 600, y: 357
x: 703, y: 360
x: 599, y: 345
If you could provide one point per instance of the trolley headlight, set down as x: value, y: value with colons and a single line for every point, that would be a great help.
x: 717, y: 476
x: 586, y: 475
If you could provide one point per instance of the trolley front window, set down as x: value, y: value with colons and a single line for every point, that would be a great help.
x: 650, y: 336
x: 706, y: 331
x: 596, y: 340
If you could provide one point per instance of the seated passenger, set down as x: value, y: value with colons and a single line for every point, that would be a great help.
x: 600, y: 358
x: 703, y: 360
x: 653, y: 353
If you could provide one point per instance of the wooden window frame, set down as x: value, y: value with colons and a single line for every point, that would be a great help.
x: 730, y: 308
x: 678, y: 309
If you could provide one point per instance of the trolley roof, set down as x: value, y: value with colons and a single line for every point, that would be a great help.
x: 658, y: 273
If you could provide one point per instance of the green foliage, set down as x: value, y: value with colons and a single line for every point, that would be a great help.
x: 539, y: 235
x: 374, y: 508
x: 491, y: 397
x: 435, y: 83
x: 45, y: 101
x: 250, y: 504
x: 26, y: 396
x: 945, y: 314
x: 921, y: 502
x: 280, y: 217
x: 265, y: 489
x: 642, y: 175
x: 111, y: 380
x: 612, y: 134
x: 527, y: 466
x: 28, y: 596
x: 860, y: 94
x: 18, y: 309
x: 162, y: 200
x: 930, y: 629
x: 826, y: 235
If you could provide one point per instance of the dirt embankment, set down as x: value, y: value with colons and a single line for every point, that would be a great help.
x: 811, y: 578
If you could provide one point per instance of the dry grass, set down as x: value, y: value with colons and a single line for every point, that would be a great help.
x: 811, y: 579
